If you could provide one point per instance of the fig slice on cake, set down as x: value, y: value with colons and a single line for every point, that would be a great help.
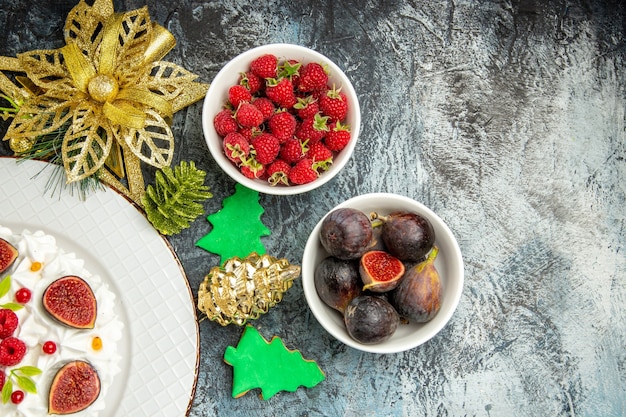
x: 74, y: 388
x: 71, y: 301
x: 8, y: 254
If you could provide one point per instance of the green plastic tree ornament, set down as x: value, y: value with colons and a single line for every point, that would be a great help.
x: 269, y: 366
x: 237, y: 227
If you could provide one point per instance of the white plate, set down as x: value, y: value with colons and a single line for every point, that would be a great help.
x: 160, y: 347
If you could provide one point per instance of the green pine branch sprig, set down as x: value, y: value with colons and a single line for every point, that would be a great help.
x: 175, y: 199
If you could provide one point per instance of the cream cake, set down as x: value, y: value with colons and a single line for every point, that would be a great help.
x: 49, y: 344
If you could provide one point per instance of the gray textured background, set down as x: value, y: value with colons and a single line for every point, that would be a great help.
x: 507, y: 119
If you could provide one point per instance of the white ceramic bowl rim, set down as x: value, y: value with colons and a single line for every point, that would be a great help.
x: 426, y: 331
x: 231, y: 70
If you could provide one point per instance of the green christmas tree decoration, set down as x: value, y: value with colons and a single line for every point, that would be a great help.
x: 237, y: 227
x: 269, y: 366
x: 174, y: 200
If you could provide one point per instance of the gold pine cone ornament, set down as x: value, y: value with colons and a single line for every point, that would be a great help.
x: 244, y: 289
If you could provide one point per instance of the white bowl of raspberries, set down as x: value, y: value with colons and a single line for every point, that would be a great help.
x: 281, y: 119
x: 382, y: 273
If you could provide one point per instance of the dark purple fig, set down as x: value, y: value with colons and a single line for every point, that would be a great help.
x: 346, y: 233
x: 74, y: 388
x: 408, y: 236
x: 337, y: 282
x: 8, y: 254
x: 370, y: 319
x: 380, y: 271
x: 418, y: 296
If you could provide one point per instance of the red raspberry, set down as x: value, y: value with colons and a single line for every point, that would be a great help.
x: 266, y: 147
x: 338, y: 137
x: 313, y: 77
x: 265, y: 105
x: 236, y: 147
x: 313, y: 128
x: 253, y: 171
x: 251, y: 81
x: 12, y: 351
x: 3, y: 378
x: 302, y: 172
x: 277, y: 172
x: 249, y: 132
x: 306, y: 107
x: 290, y: 69
x: 282, y: 125
x: 292, y: 150
x: 318, y: 152
x: 322, y: 157
x: 265, y: 66
x: 334, y: 104
x: 238, y: 94
x: 281, y: 93
x: 8, y: 322
x: 224, y: 122
x: 247, y: 115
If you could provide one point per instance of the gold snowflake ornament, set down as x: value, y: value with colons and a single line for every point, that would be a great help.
x: 107, y: 89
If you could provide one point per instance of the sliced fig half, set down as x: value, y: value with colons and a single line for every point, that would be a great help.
x: 71, y: 301
x: 74, y: 388
x: 380, y: 271
x: 8, y: 255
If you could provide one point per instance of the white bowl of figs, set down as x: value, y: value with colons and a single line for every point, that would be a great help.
x: 382, y: 273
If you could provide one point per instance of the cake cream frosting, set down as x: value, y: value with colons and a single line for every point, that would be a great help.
x: 98, y: 346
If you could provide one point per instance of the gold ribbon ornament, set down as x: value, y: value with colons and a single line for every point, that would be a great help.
x: 107, y: 90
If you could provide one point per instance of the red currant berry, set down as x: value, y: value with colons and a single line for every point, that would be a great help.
x: 17, y: 397
x: 49, y: 347
x: 23, y: 295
